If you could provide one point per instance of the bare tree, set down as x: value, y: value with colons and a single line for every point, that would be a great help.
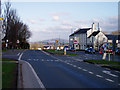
x: 15, y: 28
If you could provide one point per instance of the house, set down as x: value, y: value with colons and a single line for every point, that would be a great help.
x: 87, y: 37
x: 111, y: 37
x: 96, y: 39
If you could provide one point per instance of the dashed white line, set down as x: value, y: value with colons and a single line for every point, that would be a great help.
x: 91, y: 72
x: 74, y: 66
x: 109, y: 80
x: 79, y: 68
x: 99, y: 76
x: 84, y: 69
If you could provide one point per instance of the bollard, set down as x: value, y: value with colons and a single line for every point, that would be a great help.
x: 65, y: 51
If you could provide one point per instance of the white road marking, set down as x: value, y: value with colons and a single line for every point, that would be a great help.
x: 79, y: 68
x: 99, y: 76
x: 42, y: 59
x: 109, y: 73
x: 38, y: 79
x: 47, y: 60
x: 29, y: 59
x: 117, y: 71
x: 84, y: 69
x: 119, y: 84
x: 91, y: 72
x: 18, y: 54
x: 109, y: 80
x: 74, y: 66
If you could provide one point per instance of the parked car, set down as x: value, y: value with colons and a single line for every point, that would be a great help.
x: 89, y: 50
x: 117, y: 51
x: 72, y: 49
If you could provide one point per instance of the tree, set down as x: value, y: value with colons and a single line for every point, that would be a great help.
x: 15, y: 29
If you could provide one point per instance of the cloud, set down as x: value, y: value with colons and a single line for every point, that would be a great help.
x: 55, y: 18
x: 32, y: 21
x: 60, y: 13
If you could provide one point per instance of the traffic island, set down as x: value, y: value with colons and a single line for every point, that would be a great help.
x: 113, y: 65
x: 9, y: 73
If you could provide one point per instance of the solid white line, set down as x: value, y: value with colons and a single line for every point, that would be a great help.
x: 99, y: 76
x: 38, y: 79
x: 45, y: 52
x: 109, y: 80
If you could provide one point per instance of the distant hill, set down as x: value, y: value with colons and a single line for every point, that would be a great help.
x: 53, y: 40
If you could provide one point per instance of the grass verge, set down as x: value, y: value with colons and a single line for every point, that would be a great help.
x: 105, y: 63
x: 58, y: 52
x: 9, y: 75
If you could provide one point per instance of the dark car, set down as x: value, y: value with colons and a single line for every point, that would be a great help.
x: 72, y: 49
x: 117, y: 51
x: 89, y: 50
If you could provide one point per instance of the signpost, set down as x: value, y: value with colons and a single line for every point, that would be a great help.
x: 75, y: 42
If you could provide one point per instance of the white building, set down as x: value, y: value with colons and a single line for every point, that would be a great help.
x: 87, y: 37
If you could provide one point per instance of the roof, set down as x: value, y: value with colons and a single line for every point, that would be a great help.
x: 79, y: 31
x: 110, y: 37
x: 94, y: 34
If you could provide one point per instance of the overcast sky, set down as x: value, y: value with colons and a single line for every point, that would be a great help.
x: 48, y: 20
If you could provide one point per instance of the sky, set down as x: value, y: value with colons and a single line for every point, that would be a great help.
x: 49, y: 20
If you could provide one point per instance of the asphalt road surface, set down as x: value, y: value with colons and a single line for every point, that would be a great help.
x: 58, y: 71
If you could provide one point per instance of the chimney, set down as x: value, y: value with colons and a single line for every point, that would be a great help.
x: 93, y: 26
x: 99, y: 29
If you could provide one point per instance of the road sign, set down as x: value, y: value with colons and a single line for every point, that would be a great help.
x: 75, y: 42
x: 1, y: 19
x: 56, y: 41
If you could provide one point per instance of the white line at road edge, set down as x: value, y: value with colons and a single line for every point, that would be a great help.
x: 38, y: 79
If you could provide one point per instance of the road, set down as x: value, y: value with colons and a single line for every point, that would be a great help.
x: 57, y: 71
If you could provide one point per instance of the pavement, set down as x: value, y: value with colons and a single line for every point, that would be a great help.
x: 27, y: 77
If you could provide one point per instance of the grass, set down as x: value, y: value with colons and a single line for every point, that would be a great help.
x: 112, y: 64
x: 58, y: 52
x: 8, y: 59
x: 105, y: 62
x: 9, y: 74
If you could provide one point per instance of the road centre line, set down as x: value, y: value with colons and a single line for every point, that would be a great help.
x: 99, y: 76
x: 90, y: 72
x: 84, y: 69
